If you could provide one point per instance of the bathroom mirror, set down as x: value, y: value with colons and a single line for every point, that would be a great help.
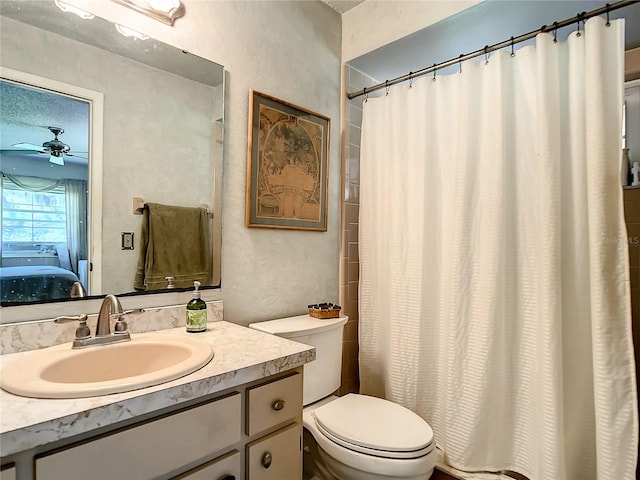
x: 154, y: 132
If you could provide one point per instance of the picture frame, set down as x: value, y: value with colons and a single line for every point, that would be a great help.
x: 287, y: 165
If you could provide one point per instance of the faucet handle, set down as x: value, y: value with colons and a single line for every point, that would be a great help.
x: 82, y: 331
x: 120, y: 327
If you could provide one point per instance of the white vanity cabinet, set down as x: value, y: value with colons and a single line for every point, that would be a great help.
x: 237, y: 418
x: 152, y: 449
x: 250, y: 432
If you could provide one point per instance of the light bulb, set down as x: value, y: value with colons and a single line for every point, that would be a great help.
x: 71, y: 9
x: 128, y: 32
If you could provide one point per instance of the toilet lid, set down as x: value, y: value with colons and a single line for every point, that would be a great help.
x: 374, y: 426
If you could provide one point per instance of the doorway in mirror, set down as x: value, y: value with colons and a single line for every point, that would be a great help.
x: 45, y: 152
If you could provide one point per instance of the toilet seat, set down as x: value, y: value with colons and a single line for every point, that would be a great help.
x: 374, y: 426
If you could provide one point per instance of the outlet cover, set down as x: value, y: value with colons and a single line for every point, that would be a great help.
x: 127, y: 241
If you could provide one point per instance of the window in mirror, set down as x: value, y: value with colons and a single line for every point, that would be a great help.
x: 32, y: 219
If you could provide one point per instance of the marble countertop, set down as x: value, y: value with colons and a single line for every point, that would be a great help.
x: 241, y: 355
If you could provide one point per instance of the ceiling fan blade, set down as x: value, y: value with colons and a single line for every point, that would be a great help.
x: 57, y: 160
x: 17, y: 151
x: 29, y: 146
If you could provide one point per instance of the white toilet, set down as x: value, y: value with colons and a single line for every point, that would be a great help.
x: 354, y: 437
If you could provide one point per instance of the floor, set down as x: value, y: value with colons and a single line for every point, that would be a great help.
x: 439, y: 475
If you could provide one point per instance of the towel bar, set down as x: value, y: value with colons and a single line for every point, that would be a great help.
x: 139, y: 205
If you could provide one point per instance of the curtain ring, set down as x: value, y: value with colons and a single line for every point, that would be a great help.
x: 386, y: 84
x: 555, y: 32
x: 366, y: 94
x: 608, y: 24
x: 434, y: 72
x: 410, y: 79
x: 513, y: 54
x: 460, y: 62
x: 578, y: 23
x: 486, y: 55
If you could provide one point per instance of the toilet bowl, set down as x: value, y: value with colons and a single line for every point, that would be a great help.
x: 353, y: 437
x: 357, y: 437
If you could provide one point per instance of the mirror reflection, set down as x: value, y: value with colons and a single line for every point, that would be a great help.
x: 91, y: 120
x: 44, y: 194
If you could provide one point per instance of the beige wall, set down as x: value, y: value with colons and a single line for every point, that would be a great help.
x: 376, y: 23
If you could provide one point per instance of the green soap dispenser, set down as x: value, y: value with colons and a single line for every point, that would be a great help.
x: 196, y: 312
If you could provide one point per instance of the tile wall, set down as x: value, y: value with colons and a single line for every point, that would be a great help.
x: 349, y: 267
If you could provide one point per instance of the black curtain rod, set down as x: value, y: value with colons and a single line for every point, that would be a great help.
x: 581, y: 17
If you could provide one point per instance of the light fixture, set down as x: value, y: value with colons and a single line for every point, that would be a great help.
x: 71, y: 9
x: 166, y: 11
x: 56, y: 158
x: 128, y: 32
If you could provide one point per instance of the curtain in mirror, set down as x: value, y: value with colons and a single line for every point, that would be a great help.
x: 76, y: 208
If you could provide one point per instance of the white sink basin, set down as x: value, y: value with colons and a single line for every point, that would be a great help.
x: 61, y: 372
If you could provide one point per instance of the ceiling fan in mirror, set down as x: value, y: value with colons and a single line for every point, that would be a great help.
x: 56, y: 149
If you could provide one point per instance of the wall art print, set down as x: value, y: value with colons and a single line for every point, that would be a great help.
x: 287, y: 165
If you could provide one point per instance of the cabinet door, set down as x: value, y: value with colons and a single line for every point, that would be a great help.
x: 152, y: 449
x: 277, y: 456
x: 226, y: 467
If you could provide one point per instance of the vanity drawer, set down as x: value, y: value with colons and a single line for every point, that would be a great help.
x: 274, y: 403
x: 8, y: 473
x: 150, y: 449
x: 277, y: 456
x: 226, y: 467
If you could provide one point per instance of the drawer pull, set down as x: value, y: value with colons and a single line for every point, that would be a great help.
x: 266, y: 459
x: 278, y: 405
x: 227, y: 477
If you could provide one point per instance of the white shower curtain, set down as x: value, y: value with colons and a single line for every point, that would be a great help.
x: 494, y: 286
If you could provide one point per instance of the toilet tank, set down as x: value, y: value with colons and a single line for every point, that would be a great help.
x: 322, y: 376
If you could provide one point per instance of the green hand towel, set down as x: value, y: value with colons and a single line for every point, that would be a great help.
x: 174, y: 242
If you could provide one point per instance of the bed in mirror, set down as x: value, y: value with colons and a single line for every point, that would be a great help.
x: 93, y: 116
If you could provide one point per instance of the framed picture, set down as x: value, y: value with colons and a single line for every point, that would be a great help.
x: 287, y: 165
